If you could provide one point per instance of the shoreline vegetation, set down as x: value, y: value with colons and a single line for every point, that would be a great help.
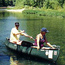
x: 46, y: 12
x: 36, y: 11
x: 50, y: 8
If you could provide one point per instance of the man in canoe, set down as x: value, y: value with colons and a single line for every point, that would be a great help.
x: 15, y: 34
x: 41, y: 38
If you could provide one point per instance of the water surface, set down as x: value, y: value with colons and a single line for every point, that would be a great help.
x: 32, y: 25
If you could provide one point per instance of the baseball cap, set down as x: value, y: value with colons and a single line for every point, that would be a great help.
x: 44, y: 30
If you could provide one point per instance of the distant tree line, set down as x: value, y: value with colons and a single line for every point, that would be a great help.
x: 7, y: 2
x: 53, y: 4
x: 48, y: 4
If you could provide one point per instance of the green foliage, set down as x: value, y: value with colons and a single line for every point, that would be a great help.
x: 45, y: 4
x: 7, y: 2
x: 19, y: 4
x: 51, y: 13
x: 61, y: 2
x: 51, y: 4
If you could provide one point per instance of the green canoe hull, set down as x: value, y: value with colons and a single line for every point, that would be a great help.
x: 49, y: 54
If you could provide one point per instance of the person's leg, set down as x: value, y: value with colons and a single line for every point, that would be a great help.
x: 19, y: 42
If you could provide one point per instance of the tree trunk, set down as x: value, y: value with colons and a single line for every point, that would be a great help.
x: 3, y: 2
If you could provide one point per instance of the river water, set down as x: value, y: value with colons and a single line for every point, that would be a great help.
x: 32, y: 25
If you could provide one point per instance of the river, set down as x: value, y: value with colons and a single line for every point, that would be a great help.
x: 31, y: 24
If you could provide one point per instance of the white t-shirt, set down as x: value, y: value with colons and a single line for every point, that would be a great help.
x: 14, y: 37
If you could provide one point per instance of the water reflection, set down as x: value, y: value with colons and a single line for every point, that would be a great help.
x: 21, y: 60
x: 13, y: 61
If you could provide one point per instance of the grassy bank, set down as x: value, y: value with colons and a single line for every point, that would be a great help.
x: 40, y: 12
x: 47, y: 12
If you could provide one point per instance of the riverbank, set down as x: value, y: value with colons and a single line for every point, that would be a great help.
x: 47, y: 12
x: 15, y: 10
x: 12, y: 10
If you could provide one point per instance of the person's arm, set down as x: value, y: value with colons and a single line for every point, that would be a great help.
x: 38, y: 39
x: 17, y: 33
x: 26, y: 35
x: 48, y: 43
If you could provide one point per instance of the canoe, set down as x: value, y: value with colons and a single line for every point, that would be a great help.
x: 49, y: 53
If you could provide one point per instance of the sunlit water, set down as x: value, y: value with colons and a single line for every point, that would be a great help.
x: 32, y: 25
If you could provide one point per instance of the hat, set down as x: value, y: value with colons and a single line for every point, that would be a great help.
x: 44, y: 30
x: 17, y: 23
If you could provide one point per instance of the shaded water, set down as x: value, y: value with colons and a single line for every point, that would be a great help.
x: 32, y: 25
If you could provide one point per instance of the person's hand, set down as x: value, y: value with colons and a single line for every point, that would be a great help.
x: 22, y: 31
x: 31, y: 37
x: 53, y: 48
x: 38, y: 48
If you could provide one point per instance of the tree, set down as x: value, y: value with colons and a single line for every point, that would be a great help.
x: 3, y: 2
x: 61, y: 2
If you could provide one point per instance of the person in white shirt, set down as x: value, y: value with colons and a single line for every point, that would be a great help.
x: 15, y: 34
